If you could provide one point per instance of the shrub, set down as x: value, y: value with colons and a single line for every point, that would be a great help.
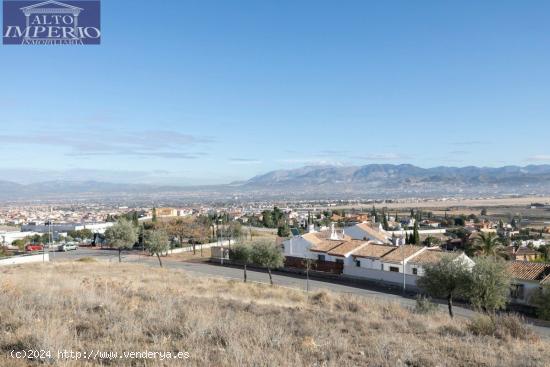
x: 482, y: 325
x: 424, y: 305
x: 501, y: 326
x: 541, y: 299
x: 87, y: 259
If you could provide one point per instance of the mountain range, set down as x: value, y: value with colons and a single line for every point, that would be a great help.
x: 319, y: 182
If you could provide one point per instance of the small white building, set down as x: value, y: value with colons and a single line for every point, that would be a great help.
x: 368, y: 232
x: 527, y: 278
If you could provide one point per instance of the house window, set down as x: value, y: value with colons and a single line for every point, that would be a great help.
x: 394, y: 269
x: 339, y: 261
x: 358, y: 263
x: 415, y: 271
x: 321, y: 257
x: 516, y: 291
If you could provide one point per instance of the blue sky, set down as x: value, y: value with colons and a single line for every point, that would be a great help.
x: 205, y: 91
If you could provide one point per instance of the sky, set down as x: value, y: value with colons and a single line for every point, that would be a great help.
x: 205, y: 92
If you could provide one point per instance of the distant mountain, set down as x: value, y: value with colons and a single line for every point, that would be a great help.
x: 312, y: 182
x: 376, y: 179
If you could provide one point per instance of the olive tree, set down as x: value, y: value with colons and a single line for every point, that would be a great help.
x: 541, y: 300
x: 242, y: 254
x: 447, y: 279
x: 489, y: 284
x: 266, y: 254
x: 122, y: 235
x: 157, y: 243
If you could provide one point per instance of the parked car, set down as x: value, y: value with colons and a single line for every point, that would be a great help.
x: 32, y: 248
x: 68, y: 247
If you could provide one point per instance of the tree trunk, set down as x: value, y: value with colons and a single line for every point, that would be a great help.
x: 194, y: 248
x: 160, y: 262
x: 245, y: 273
x: 119, y: 255
x: 270, y: 277
x: 450, y: 305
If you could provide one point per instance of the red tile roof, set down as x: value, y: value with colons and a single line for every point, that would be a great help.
x: 529, y: 271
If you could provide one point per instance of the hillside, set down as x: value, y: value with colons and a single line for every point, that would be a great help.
x: 404, y: 180
x: 115, y: 307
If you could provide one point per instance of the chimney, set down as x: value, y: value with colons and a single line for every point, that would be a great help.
x: 333, y: 234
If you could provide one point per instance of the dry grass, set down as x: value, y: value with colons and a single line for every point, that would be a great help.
x: 124, y: 307
x: 185, y: 256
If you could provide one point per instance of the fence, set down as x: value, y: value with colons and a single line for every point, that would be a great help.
x: 179, y: 250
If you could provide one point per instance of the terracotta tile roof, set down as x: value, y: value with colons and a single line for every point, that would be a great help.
x: 375, y: 234
x: 400, y: 253
x: 433, y: 256
x: 347, y: 247
x: 325, y: 245
x: 529, y: 271
x: 374, y: 251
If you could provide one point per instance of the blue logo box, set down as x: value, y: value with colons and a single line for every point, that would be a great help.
x: 51, y: 22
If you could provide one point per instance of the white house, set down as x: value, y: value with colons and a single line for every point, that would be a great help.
x: 527, y: 277
x: 324, y: 246
x: 386, y: 263
x: 367, y: 232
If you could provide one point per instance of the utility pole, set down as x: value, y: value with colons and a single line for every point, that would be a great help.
x: 404, y: 275
x: 221, y: 241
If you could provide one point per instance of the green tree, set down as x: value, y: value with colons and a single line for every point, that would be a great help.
x: 488, y: 244
x: 267, y: 219
x: 447, y: 279
x: 135, y: 219
x: 234, y: 231
x: 20, y: 244
x: 157, y: 243
x: 416, y: 235
x: 541, y: 300
x: 283, y: 230
x: 489, y: 284
x: 267, y: 255
x: 385, y: 224
x: 431, y: 241
x: 242, y: 254
x: 122, y: 235
x: 154, y: 215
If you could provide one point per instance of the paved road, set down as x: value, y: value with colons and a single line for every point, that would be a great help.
x: 281, y: 279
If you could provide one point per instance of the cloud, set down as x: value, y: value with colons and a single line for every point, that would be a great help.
x: 312, y: 162
x: 381, y: 157
x: 244, y: 161
x: 539, y: 158
x: 459, y: 152
x: 469, y: 142
x: 106, y: 142
x: 330, y: 152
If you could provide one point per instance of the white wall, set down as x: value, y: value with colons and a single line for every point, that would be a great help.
x: 369, y: 263
x: 299, y: 247
x: 528, y: 288
x: 420, y: 231
x: 357, y: 233
x: 197, y: 247
x: 379, y: 275
x: 9, y: 237
x: 25, y: 259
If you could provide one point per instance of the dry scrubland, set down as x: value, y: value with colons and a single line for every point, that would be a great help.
x: 112, y: 307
